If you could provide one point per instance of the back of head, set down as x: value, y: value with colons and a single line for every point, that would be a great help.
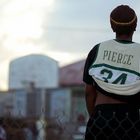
x: 123, y: 20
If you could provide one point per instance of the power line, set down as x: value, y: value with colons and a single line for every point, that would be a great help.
x: 77, y: 29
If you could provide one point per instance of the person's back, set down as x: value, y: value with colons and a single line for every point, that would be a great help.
x: 116, y: 68
x: 112, y: 77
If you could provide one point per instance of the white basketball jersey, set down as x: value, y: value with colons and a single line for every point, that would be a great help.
x: 116, y: 68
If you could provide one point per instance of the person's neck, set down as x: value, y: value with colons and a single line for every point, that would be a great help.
x: 124, y: 37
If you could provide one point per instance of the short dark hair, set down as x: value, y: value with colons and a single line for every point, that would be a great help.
x: 123, y: 20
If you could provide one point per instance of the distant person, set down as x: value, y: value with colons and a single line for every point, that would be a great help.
x: 81, y: 118
x: 41, y: 127
x: 3, y: 134
x: 30, y: 130
x: 112, y: 82
x: 28, y: 133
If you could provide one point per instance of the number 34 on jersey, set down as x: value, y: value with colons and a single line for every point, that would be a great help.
x: 113, y: 75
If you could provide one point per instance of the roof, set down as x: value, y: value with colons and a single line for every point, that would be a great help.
x: 39, y: 57
x: 72, y: 74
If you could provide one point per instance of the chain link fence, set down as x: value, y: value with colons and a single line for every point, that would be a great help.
x: 114, y: 122
x: 24, y: 117
x: 37, y: 129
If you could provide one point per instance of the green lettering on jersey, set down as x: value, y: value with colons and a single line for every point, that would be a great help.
x: 108, y: 73
x: 121, y: 79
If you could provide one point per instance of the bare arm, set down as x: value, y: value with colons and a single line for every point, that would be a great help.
x: 90, y: 96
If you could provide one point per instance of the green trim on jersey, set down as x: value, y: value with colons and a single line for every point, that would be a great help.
x: 116, y: 68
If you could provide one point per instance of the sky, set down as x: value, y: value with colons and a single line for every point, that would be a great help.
x: 64, y: 30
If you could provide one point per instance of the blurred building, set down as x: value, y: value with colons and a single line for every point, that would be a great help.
x: 71, y: 77
x: 20, y: 103
x: 33, y: 70
x: 38, y: 88
x: 72, y: 74
x: 38, y: 85
x: 32, y: 74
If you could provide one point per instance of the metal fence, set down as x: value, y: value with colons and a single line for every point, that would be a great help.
x: 39, y: 129
x: 23, y: 116
x: 121, y: 124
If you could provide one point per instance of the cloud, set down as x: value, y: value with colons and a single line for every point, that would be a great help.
x: 74, y: 40
x: 77, y: 25
x: 21, y: 30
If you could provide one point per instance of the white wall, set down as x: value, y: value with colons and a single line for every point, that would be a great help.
x: 40, y: 69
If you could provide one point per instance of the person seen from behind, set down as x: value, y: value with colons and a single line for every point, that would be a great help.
x: 112, y: 82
